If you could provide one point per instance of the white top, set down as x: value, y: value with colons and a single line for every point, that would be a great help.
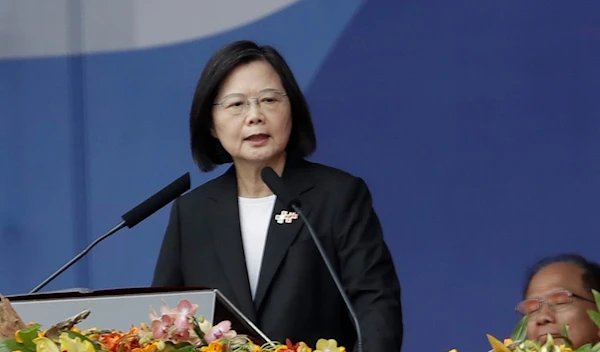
x: 255, y: 216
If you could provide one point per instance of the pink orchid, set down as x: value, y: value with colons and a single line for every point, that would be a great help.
x: 221, y: 330
x: 164, y: 310
x: 181, y: 335
x: 183, y: 314
x: 160, y: 327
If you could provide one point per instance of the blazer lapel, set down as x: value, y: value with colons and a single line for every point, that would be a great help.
x: 281, y: 234
x: 228, y: 241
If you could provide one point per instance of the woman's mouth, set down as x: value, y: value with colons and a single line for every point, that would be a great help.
x: 257, y: 139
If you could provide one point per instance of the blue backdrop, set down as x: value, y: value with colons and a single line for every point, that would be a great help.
x: 476, y: 125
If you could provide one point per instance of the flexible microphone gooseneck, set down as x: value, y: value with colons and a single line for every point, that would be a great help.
x: 130, y: 219
x: 274, y: 182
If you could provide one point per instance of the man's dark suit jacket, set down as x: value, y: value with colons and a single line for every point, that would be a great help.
x: 296, y: 297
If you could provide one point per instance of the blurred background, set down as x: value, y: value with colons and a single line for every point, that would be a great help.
x: 475, y: 123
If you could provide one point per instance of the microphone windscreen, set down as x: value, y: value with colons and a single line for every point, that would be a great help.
x: 157, y: 201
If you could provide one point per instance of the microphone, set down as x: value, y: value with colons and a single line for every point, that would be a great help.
x: 130, y: 219
x: 274, y: 182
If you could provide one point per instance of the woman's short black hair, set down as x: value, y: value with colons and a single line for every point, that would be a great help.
x: 590, y: 278
x: 206, y: 149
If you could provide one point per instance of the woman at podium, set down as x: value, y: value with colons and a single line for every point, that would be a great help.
x: 234, y: 234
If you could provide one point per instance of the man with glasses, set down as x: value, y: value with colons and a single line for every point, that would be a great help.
x: 557, y: 292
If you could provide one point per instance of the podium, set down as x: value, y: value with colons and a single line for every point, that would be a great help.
x: 119, y: 309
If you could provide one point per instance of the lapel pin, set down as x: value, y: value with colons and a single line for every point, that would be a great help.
x: 286, y: 216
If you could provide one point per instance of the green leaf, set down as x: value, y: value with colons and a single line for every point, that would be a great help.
x: 9, y: 345
x: 72, y: 334
x: 565, y: 335
x: 180, y: 345
x: 28, y: 334
x: 596, y: 298
x: 188, y: 348
x: 520, y: 331
x: 564, y: 331
x: 595, y: 316
x: 168, y: 347
x: 595, y: 348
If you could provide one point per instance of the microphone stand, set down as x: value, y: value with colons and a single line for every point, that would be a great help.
x: 76, y: 258
x: 339, y: 285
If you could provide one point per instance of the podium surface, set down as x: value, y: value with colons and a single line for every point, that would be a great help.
x: 119, y: 309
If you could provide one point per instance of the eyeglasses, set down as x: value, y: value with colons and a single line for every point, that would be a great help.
x: 555, y: 300
x: 267, y: 101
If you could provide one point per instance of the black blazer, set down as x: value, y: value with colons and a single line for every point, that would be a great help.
x: 296, y: 298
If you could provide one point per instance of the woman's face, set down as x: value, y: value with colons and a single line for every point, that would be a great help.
x: 253, y: 120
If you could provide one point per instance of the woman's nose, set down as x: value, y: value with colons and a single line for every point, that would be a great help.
x: 254, y: 113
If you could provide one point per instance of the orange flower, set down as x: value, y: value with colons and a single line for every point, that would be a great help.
x: 212, y: 347
x: 119, y: 342
x: 149, y: 347
x: 111, y: 341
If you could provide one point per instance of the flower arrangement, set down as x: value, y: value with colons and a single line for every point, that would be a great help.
x: 518, y: 340
x: 173, y: 330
